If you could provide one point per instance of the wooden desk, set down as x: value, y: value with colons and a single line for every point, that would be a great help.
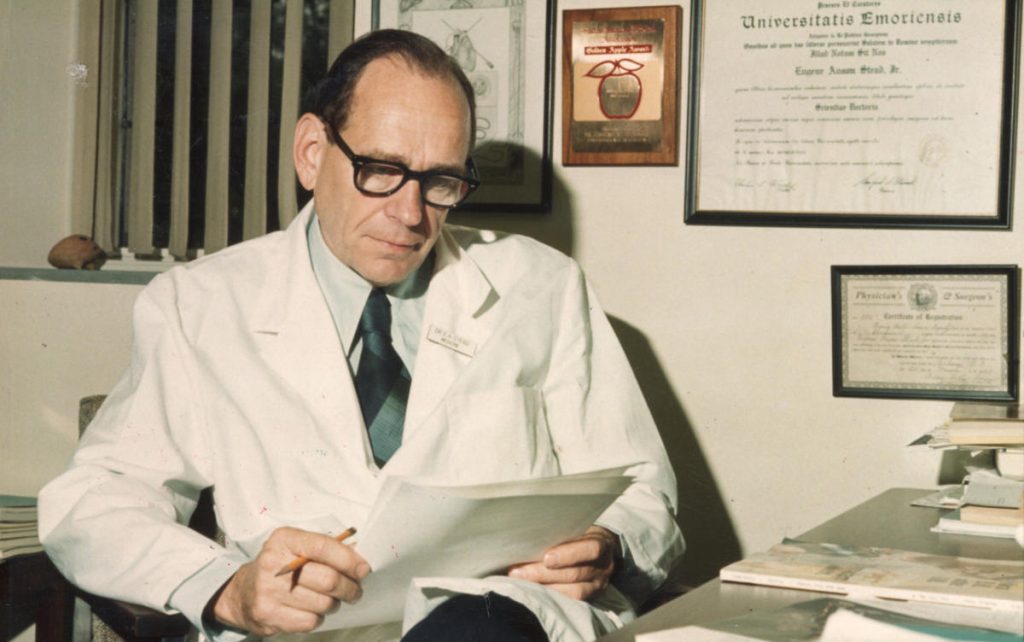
x: 887, y: 520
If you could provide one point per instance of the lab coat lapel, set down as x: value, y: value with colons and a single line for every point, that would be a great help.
x: 458, y: 319
x: 299, y: 341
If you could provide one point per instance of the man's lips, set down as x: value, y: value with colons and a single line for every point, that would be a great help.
x: 408, y: 246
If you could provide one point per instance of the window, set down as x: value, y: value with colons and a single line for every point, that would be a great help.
x: 184, y: 135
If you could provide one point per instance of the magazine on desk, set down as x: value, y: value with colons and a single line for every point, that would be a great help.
x: 826, y: 619
x: 884, y: 573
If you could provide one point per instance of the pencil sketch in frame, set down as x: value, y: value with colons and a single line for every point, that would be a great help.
x: 899, y: 114
x: 926, y: 331
x: 506, y: 48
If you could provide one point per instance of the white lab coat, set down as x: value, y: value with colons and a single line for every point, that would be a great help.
x: 238, y: 380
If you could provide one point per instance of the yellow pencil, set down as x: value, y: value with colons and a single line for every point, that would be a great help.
x: 301, y: 560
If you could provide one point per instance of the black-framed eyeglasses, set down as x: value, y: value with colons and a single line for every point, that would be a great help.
x: 374, y: 177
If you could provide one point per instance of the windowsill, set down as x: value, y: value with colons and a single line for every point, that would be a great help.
x: 112, y: 276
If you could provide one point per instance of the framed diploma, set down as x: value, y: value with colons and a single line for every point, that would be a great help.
x: 857, y: 113
x: 506, y: 48
x: 620, y: 82
x: 926, y: 331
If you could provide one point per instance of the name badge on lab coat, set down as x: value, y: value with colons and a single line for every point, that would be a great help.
x: 451, y: 341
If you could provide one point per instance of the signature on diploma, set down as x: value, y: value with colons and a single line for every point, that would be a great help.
x: 885, y: 183
x: 773, y: 183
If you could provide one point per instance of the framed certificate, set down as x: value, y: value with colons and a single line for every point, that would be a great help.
x: 882, y: 113
x: 926, y: 331
x: 506, y: 48
x: 620, y: 80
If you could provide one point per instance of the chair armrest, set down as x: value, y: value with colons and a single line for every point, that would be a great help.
x: 132, y: 621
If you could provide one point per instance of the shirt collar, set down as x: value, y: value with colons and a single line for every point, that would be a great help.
x: 346, y: 291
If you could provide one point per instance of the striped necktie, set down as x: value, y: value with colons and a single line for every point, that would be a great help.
x: 382, y: 382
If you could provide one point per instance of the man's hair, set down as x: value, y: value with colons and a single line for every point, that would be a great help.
x: 331, y: 98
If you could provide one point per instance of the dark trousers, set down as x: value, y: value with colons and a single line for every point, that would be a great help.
x: 478, y: 618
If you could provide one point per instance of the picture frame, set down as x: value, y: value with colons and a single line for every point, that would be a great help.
x: 898, y: 114
x: 506, y: 48
x: 620, y: 86
x: 926, y: 331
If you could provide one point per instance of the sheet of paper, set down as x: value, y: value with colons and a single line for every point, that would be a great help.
x: 419, y: 530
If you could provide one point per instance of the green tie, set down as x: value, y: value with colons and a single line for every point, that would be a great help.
x: 382, y: 382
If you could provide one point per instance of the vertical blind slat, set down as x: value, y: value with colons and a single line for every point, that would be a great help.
x: 178, y: 243
x: 218, y: 132
x: 105, y: 226
x: 287, y: 209
x: 341, y: 26
x: 140, y: 180
x: 255, y: 203
x: 86, y: 88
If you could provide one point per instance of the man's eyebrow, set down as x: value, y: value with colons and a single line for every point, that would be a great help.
x: 456, y: 170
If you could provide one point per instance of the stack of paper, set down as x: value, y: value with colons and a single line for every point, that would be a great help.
x: 992, y: 504
x: 423, y: 530
x: 18, y: 526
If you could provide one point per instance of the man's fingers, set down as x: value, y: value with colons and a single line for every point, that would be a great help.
x: 318, y: 548
x: 585, y: 550
x: 309, y: 600
x: 541, y: 574
x: 328, y: 581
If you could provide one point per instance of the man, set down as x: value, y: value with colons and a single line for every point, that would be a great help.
x: 293, y: 373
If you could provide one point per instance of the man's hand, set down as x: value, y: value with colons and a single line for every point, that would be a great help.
x: 255, y: 599
x: 579, y: 568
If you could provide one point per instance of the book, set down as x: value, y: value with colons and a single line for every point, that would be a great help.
x: 16, y: 529
x: 954, y: 523
x: 992, y: 515
x: 19, y: 534
x: 884, y: 572
x: 986, y: 424
x: 831, y: 619
x: 986, y: 487
x: 14, y: 551
x: 17, y: 508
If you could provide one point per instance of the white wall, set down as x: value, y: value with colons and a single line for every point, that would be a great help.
x: 727, y: 327
x: 37, y: 41
x: 59, y: 342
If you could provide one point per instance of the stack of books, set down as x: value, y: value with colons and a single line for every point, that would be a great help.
x: 992, y: 501
x: 19, y: 530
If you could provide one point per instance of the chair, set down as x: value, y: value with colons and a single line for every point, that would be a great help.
x: 114, y: 620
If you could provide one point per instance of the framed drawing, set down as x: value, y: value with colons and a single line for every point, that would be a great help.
x: 897, y: 113
x: 506, y: 48
x: 926, y: 331
x: 620, y: 86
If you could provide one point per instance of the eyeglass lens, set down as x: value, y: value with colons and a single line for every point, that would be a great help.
x: 436, y: 189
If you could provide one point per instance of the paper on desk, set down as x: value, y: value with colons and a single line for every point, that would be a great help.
x: 421, y: 530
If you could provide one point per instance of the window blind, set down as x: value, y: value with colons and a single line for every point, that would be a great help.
x: 236, y: 70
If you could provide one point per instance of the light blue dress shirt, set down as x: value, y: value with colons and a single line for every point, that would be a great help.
x: 346, y: 292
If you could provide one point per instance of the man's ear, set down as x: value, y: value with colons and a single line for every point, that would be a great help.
x: 308, y: 149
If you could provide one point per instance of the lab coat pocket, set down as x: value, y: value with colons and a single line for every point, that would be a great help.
x: 499, y: 434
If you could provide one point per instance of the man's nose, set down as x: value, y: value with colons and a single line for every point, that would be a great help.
x: 407, y: 204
